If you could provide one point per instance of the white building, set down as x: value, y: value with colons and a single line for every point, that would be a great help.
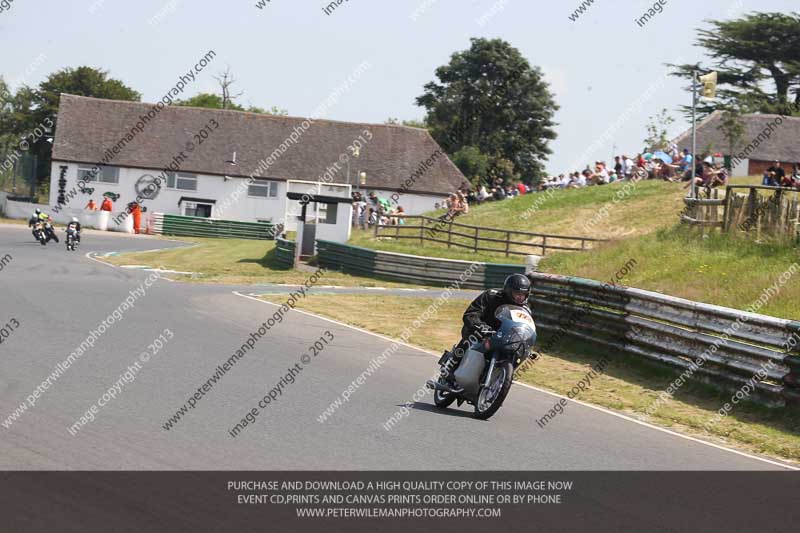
x: 235, y: 165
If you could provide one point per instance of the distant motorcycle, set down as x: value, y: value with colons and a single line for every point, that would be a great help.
x: 38, y: 233
x: 72, y: 239
x: 49, y: 231
x: 44, y: 232
x: 487, y: 369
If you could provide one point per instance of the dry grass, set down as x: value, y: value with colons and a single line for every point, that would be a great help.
x: 628, y: 385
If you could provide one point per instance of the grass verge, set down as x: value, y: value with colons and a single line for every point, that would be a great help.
x: 236, y: 262
x: 628, y: 384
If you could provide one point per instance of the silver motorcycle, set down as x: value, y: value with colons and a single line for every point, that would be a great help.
x: 486, y: 372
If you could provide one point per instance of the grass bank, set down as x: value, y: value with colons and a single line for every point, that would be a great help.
x: 719, y: 269
x: 628, y: 385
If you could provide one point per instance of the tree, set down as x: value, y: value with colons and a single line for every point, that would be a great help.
x: 413, y: 123
x: 225, y: 81
x: 491, y: 98
x: 758, y: 61
x: 214, y: 101
x: 732, y: 128
x: 472, y: 163
x: 32, y: 106
x: 658, y: 131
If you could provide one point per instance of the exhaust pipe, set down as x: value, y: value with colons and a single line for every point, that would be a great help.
x: 435, y: 385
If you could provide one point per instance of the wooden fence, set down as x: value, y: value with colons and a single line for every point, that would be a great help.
x: 478, y: 238
x: 761, y: 211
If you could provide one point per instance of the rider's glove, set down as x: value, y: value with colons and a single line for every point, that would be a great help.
x: 485, y: 330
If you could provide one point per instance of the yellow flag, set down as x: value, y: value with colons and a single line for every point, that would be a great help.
x: 709, y: 85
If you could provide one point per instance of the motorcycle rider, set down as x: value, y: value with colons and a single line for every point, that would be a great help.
x: 75, y: 225
x: 34, y: 220
x: 479, y: 319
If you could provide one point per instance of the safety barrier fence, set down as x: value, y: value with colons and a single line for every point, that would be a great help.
x: 724, y: 347
x: 411, y: 268
x: 162, y: 224
x: 285, y: 253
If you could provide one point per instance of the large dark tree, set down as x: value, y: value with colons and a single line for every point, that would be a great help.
x: 30, y: 107
x: 491, y: 98
x: 758, y: 61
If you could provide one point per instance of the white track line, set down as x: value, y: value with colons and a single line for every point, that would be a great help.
x: 590, y: 406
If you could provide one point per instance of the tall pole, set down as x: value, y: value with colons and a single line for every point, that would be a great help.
x: 694, y: 130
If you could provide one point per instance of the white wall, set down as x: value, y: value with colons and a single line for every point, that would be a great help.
x: 741, y: 169
x: 339, y: 232
x: 241, y: 207
x: 231, y: 202
x: 412, y: 203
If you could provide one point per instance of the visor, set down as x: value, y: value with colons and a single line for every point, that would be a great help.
x: 519, y: 297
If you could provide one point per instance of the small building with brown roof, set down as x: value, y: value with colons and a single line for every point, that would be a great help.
x: 236, y: 165
x: 765, y: 139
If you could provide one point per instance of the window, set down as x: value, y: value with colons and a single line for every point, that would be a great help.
x: 327, y: 213
x: 263, y: 189
x: 180, y: 181
x: 104, y: 175
x: 194, y: 209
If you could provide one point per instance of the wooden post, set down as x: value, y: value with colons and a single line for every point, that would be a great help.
x: 422, y: 230
x: 450, y: 233
x: 726, y: 211
x: 544, y: 246
x: 508, y: 241
x: 476, y: 238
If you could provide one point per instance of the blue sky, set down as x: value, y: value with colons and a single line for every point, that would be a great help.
x: 292, y: 55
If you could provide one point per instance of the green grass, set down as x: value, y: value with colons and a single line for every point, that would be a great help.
x: 718, y: 269
x: 234, y: 261
x: 628, y: 384
x: 633, y: 209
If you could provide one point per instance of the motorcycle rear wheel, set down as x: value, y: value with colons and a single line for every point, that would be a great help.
x: 490, y: 400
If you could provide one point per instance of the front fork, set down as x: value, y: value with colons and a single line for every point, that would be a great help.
x: 489, y: 373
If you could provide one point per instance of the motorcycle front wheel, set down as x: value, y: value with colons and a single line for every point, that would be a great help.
x: 491, y: 398
x: 442, y: 399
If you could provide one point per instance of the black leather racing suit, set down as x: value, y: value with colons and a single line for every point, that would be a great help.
x: 480, y: 313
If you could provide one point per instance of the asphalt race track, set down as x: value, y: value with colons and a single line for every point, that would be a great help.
x: 58, y: 297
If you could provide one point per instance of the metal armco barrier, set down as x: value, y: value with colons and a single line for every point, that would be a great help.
x: 676, y: 332
x: 285, y: 253
x: 411, y: 268
x: 209, y: 227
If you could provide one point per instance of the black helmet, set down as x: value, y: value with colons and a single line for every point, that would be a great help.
x: 517, y: 289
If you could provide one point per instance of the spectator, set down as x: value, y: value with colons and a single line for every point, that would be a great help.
x: 774, y: 175
x: 628, y: 167
x: 91, y: 206
x: 396, y: 216
x: 107, y: 204
x: 522, y: 188
x: 483, y: 194
x: 618, y: 166
x: 600, y: 176
x: 462, y: 206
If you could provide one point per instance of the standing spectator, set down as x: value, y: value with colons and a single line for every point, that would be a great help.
x: 522, y: 188
x: 463, y: 205
x: 628, y: 167
x: 107, y: 204
x: 91, y: 206
x: 618, y: 166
